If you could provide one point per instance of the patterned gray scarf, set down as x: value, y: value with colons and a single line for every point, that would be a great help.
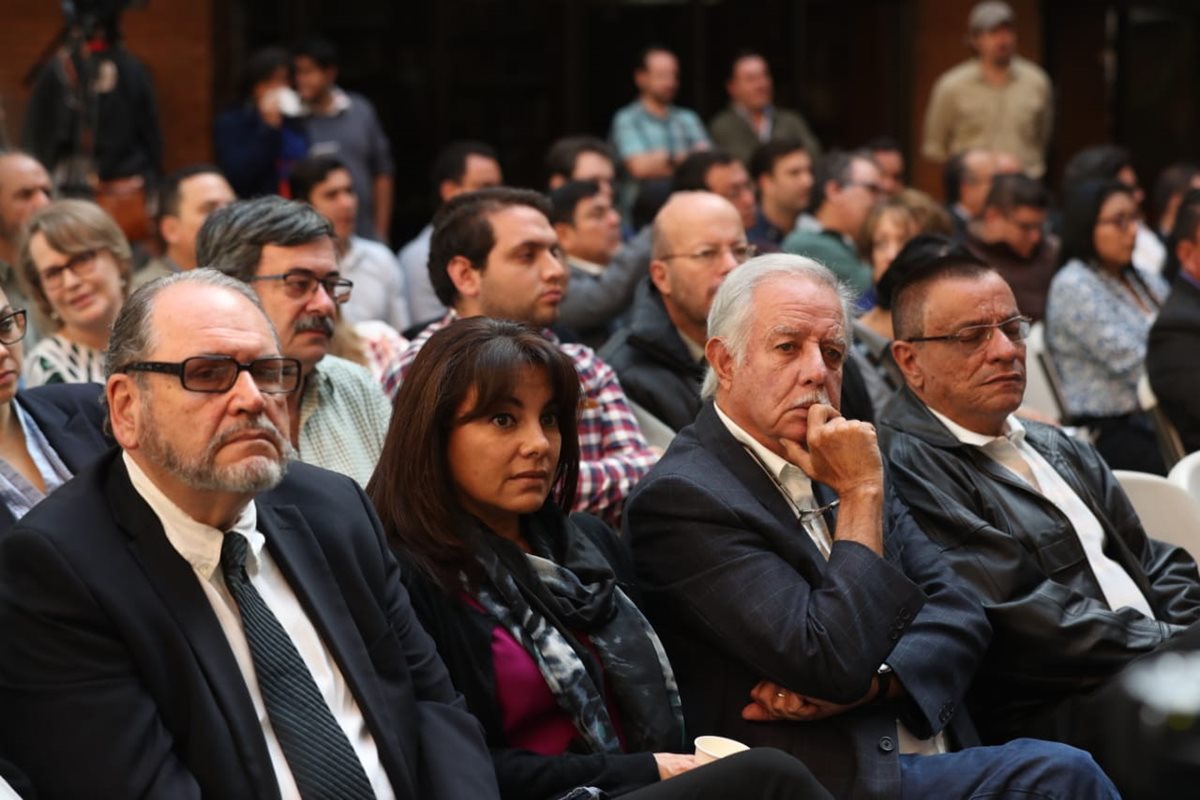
x: 568, y: 587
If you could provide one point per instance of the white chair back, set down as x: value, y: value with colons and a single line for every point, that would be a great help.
x: 1168, y: 512
x: 1040, y: 393
x: 657, y: 432
x: 1186, y: 474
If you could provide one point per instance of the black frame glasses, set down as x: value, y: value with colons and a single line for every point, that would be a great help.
x: 1018, y: 328
x: 13, y: 320
x: 300, y: 283
x: 219, y: 374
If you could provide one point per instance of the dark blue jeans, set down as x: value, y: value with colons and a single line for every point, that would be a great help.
x: 1023, y: 769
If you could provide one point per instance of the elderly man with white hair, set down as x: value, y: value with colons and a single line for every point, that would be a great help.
x: 801, y: 605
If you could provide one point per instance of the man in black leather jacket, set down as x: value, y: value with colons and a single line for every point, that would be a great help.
x: 1073, y: 587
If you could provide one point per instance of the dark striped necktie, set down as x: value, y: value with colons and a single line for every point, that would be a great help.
x: 320, y: 756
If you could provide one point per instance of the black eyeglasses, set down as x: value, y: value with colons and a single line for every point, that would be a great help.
x: 218, y: 374
x: 300, y: 283
x: 12, y: 327
x: 973, y: 336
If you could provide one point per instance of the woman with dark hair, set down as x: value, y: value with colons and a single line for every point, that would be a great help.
x: 1098, y: 315
x: 530, y: 607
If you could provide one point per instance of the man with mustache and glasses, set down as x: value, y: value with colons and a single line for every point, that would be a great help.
x: 228, y: 623
x: 1031, y: 519
x: 285, y: 250
x: 801, y: 606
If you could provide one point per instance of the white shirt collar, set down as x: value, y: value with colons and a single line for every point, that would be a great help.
x: 1013, y: 431
x: 774, y: 462
x: 199, y: 544
x: 583, y: 265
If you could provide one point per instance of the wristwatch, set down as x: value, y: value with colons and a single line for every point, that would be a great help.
x: 885, y: 676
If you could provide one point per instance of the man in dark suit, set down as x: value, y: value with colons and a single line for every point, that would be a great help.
x: 1173, y: 350
x: 183, y: 619
x: 800, y: 605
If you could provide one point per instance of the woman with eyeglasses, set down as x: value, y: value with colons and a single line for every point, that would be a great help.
x: 1098, y: 316
x: 46, y: 435
x: 531, y: 608
x: 75, y: 264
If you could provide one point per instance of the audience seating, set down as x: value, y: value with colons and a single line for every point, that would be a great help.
x: 1041, y: 384
x: 1169, y: 443
x: 657, y: 432
x: 1186, y: 474
x: 1168, y: 512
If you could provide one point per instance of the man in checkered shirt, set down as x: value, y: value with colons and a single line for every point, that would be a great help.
x: 494, y: 253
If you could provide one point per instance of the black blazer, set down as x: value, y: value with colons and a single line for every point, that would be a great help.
x: 738, y: 592
x: 116, y: 679
x: 1173, y: 360
x: 72, y: 419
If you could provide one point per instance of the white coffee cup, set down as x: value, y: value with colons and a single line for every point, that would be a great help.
x: 710, y: 748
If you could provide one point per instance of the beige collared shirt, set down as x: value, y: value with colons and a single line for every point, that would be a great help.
x: 200, y: 546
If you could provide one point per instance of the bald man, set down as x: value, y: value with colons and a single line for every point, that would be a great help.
x: 698, y: 238
x: 24, y: 188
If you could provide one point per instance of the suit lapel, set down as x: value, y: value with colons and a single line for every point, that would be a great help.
x: 750, y: 474
x: 295, y: 549
x: 177, y: 584
x: 72, y: 434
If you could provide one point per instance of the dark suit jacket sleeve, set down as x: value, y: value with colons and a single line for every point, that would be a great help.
x: 454, y: 757
x: 1171, y: 361
x: 1042, y: 627
x: 63, y: 660
x: 938, y: 656
x: 822, y: 636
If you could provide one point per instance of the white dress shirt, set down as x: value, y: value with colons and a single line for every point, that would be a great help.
x: 200, y: 546
x: 796, y: 487
x: 1115, y: 583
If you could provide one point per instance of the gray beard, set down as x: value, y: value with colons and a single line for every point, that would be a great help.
x: 250, y: 476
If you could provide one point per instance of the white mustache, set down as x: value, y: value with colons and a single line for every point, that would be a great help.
x: 812, y: 398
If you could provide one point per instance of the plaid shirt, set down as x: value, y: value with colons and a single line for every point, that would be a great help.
x: 344, y: 418
x: 613, y: 454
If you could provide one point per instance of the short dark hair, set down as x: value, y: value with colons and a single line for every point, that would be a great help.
x: 232, y: 238
x: 412, y: 488
x: 319, y: 50
x: 566, y: 198
x: 1101, y: 162
x: 919, y: 264
x: 835, y: 166
x: 766, y: 155
x: 952, y: 177
x: 883, y: 144
x: 462, y: 228
x: 1010, y: 192
x: 169, y: 190
x: 741, y: 55
x: 1187, y: 224
x: 562, y: 155
x: 450, y: 163
x: 692, y: 172
x: 261, y: 65
x: 1080, y: 212
x: 310, y: 172
x: 1175, y: 179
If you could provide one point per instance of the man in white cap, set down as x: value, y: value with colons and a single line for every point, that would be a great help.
x: 995, y: 100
